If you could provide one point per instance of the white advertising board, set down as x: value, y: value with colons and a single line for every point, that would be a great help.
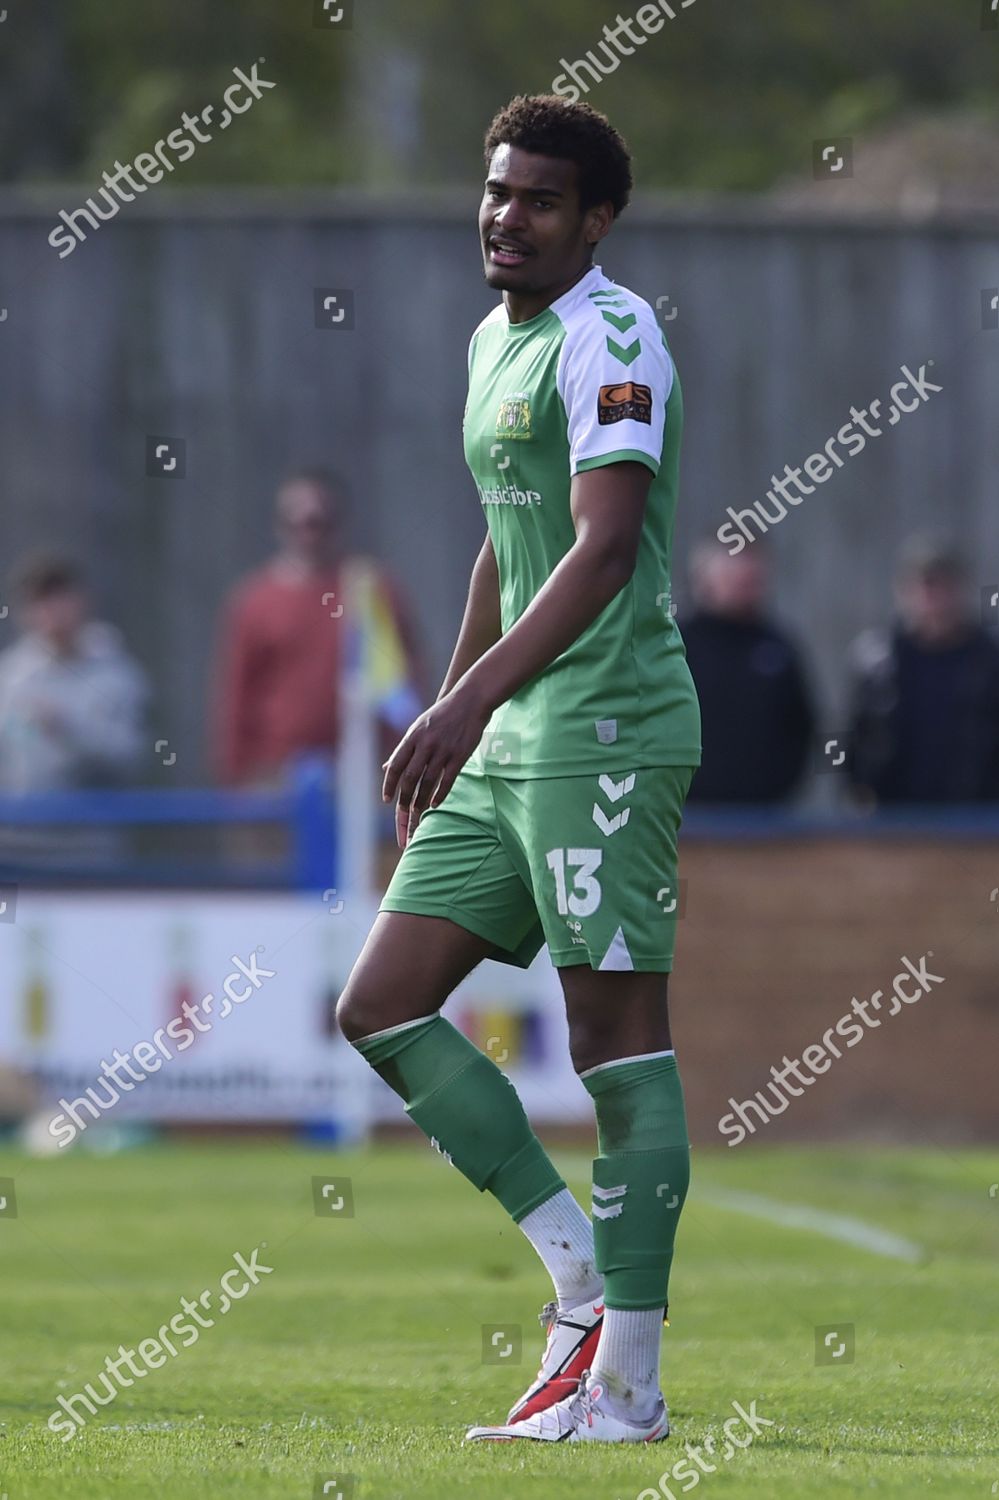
x: 87, y: 978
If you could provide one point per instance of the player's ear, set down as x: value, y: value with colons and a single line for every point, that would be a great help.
x: 597, y: 222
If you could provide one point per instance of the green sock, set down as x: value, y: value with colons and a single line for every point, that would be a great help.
x: 468, y: 1108
x: 640, y: 1177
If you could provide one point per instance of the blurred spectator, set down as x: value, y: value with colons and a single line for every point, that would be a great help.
x: 18, y: 1095
x: 925, y: 703
x: 756, y: 710
x: 71, y: 698
x: 283, y: 638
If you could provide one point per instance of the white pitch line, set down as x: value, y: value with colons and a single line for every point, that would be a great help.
x: 834, y: 1226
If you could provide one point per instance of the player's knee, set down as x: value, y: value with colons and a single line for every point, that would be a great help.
x: 358, y: 1014
x: 613, y: 1015
x: 367, y: 1006
x: 592, y: 1041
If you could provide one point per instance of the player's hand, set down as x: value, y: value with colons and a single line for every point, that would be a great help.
x: 424, y: 765
x: 402, y: 822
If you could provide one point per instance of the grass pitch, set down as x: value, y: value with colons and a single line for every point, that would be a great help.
x: 358, y: 1360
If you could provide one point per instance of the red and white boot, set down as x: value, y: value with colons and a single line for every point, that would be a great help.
x: 572, y: 1342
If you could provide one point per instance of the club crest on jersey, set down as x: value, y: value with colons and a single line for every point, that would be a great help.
x: 615, y: 403
x: 514, y: 419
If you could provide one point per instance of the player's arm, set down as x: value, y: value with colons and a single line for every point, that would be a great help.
x: 480, y: 626
x: 608, y: 507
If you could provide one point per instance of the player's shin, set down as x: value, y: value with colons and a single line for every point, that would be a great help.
x: 640, y: 1180
x: 468, y: 1108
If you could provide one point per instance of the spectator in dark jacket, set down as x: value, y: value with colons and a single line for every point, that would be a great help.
x: 756, y: 710
x: 925, y: 706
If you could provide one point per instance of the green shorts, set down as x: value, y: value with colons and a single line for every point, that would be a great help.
x: 586, y: 864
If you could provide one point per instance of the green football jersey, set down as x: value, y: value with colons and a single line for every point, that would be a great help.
x: 587, y: 382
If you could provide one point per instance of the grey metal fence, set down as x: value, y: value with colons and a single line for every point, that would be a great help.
x: 194, y: 316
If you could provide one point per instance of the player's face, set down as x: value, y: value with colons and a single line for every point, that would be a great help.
x: 536, y: 239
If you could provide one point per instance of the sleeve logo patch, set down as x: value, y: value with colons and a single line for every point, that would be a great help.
x: 618, y: 403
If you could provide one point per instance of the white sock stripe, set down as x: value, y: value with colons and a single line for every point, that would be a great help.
x: 607, y: 1213
x: 376, y: 1036
x: 619, y: 1062
x: 612, y: 1192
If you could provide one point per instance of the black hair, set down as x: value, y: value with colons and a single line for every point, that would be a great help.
x: 550, y: 126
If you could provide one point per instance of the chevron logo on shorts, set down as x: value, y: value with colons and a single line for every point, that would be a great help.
x: 608, y: 1209
x: 608, y: 825
x: 613, y: 791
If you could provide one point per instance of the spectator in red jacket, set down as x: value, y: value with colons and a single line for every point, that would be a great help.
x: 280, y: 655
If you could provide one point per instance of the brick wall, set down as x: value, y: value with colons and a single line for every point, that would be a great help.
x: 776, y: 941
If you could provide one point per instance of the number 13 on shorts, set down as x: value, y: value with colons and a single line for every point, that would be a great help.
x: 584, y: 897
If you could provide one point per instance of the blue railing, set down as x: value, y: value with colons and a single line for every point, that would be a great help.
x: 306, y: 809
x: 967, y: 821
